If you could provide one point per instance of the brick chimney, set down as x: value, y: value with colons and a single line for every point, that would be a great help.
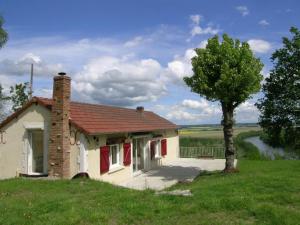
x: 59, y: 146
x: 140, y: 109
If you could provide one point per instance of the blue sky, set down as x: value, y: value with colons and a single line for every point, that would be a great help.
x: 131, y: 53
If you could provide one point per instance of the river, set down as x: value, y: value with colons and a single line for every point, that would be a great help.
x: 268, y: 150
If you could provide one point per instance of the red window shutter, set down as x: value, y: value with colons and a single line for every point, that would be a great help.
x: 152, y: 149
x: 127, y: 154
x: 104, y: 159
x: 164, y: 147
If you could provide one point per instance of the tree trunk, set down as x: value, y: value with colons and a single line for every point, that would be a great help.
x: 228, y: 137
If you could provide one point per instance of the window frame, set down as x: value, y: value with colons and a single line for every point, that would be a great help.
x: 157, y: 149
x: 117, y: 164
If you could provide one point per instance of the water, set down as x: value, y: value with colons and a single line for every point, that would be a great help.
x: 268, y: 150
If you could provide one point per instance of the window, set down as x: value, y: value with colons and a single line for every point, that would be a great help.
x: 114, y: 155
x: 155, y: 149
x: 158, y: 149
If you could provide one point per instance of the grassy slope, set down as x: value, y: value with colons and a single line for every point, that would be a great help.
x: 264, y: 192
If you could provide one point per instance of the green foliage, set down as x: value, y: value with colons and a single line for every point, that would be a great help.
x: 263, y: 192
x: 19, y: 95
x: 282, y: 92
x: 227, y: 72
x: 3, y: 100
x: 3, y: 33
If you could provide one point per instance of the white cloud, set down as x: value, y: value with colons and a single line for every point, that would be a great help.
x: 243, y: 10
x: 44, y: 92
x: 22, y: 66
x: 108, y: 72
x: 123, y: 77
x: 6, y: 82
x: 207, y: 109
x: 263, y: 23
x: 180, y: 67
x: 195, y: 18
x: 191, y: 111
x: 259, y: 46
x: 198, y: 30
x: 203, y: 44
x: 117, y: 81
x: 72, y: 54
x: 247, y: 112
x: 180, y: 115
x: 194, y: 111
x: 193, y: 104
x: 136, y: 41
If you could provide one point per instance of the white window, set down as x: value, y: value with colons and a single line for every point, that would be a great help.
x: 158, y: 149
x: 114, y: 155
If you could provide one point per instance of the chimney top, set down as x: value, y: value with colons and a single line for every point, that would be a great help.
x: 140, y: 109
x: 62, y: 74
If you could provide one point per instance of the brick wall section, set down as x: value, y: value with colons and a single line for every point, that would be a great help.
x: 59, y: 146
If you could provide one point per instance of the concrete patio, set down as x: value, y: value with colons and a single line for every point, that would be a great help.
x: 181, y: 170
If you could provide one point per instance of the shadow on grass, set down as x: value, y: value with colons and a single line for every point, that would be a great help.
x: 205, y: 173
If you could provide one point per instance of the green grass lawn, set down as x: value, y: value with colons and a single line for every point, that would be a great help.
x: 263, y: 192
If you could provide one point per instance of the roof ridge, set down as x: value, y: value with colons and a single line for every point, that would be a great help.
x: 127, y: 120
x: 93, y: 104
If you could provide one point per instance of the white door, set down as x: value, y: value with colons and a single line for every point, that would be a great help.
x: 35, y: 151
x: 29, y: 152
x: 139, y: 155
x: 83, y: 168
x: 147, y: 155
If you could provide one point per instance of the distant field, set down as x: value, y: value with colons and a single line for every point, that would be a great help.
x: 215, y: 132
x: 200, y: 141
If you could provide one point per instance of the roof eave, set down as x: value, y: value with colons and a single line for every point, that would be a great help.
x: 131, y: 131
x: 19, y: 112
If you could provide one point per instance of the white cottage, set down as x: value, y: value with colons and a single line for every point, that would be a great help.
x: 60, y: 138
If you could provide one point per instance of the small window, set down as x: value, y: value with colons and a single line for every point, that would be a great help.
x: 114, y: 155
x: 158, y: 149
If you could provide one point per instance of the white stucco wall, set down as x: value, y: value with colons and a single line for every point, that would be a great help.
x: 13, y: 155
x: 126, y: 172
x: 94, y: 162
x: 172, y: 146
x: 74, y: 152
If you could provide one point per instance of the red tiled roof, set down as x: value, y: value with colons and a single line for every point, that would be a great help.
x: 95, y: 119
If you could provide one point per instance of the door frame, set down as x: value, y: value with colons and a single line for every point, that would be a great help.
x: 145, y: 154
x: 29, y: 151
x: 83, y: 155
